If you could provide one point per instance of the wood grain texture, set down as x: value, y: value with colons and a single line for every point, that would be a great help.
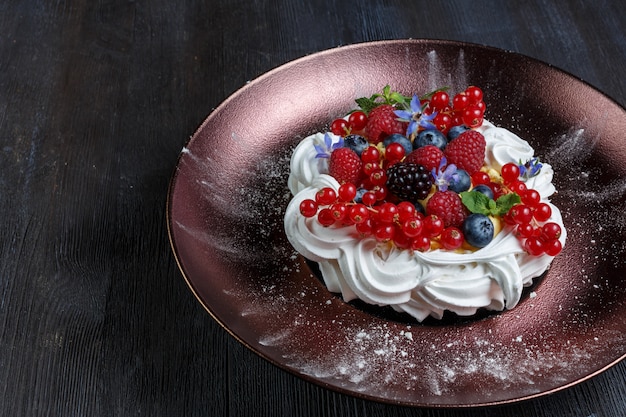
x: 97, y: 98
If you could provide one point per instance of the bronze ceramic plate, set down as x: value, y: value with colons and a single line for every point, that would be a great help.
x: 225, y: 217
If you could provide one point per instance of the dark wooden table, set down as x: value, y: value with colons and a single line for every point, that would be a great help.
x: 97, y: 99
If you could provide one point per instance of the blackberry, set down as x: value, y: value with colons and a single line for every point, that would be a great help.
x: 408, y: 181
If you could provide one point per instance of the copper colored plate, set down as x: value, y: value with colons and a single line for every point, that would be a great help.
x: 228, y: 196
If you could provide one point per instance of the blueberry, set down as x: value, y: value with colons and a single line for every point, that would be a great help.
x: 359, y: 195
x: 356, y: 142
x: 430, y: 137
x: 483, y: 189
x: 401, y: 139
x: 478, y: 230
x: 455, y: 131
x: 461, y: 183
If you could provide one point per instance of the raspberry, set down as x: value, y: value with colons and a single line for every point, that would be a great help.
x: 429, y: 156
x: 382, y: 122
x: 409, y: 182
x: 447, y: 205
x: 345, y: 166
x: 467, y: 151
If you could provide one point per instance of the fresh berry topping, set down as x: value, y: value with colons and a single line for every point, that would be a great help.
x: 467, y: 151
x: 382, y: 122
x: 399, y: 139
x: 484, y: 189
x: 452, y: 238
x: 478, y: 230
x: 357, y: 120
x: 339, y: 127
x: 357, y: 143
x: 325, y: 196
x: 346, y: 192
x: 439, y: 101
x: 447, y: 205
x: 407, y: 181
x: 371, y: 154
x: 308, y: 207
x: 455, y: 131
x: 460, y: 182
x: 429, y: 156
x: 480, y: 177
x: 430, y: 137
x: 509, y: 173
x: 345, y: 166
x: 394, y: 152
x: 542, y: 212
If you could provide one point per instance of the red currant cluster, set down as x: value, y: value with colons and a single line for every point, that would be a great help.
x: 357, y: 121
x: 466, y: 108
x: 530, y: 217
x: 399, y: 223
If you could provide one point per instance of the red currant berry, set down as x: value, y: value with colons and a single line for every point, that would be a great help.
x: 443, y: 122
x: 550, y: 231
x: 460, y: 101
x: 452, y: 238
x: 412, y: 227
x: 525, y: 230
x: 521, y: 214
x: 384, y: 232
x: 370, y: 167
x: 371, y: 154
x: 387, y: 212
x: 394, y: 152
x: 308, y: 207
x: 339, y: 211
x: 358, y: 213
x: 420, y: 243
x: 369, y: 198
x: 378, y: 177
x: 365, y: 228
x: 552, y: 247
x: 496, y: 189
x: 326, y: 196
x: 474, y: 93
x: 510, y: 173
x: 401, y: 240
x: 346, y: 192
x: 357, y: 120
x: 325, y: 217
x: 439, y: 101
x: 531, y: 197
x: 518, y: 187
x: 472, y: 116
x: 339, y: 127
x: 433, y: 226
x: 542, y: 212
x: 481, y: 106
x: 406, y: 211
x: 380, y: 191
x: 534, y: 246
x: 480, y: 177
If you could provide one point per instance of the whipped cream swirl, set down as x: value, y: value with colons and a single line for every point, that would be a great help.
x: 421, y: 284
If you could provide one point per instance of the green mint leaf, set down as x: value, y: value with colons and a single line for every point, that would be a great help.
x: 366, y: 104
x: 476, y: 202
x: 505, y: 202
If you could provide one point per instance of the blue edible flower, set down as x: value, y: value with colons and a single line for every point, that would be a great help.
x: 324, y: 151
x: 416, y: 117
x: 443, y: 177
x: 530, y: 169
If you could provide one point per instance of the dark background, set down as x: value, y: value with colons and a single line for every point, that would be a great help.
x: 97, y: 99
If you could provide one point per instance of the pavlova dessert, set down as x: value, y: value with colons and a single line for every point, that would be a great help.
x: 421, y: 204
